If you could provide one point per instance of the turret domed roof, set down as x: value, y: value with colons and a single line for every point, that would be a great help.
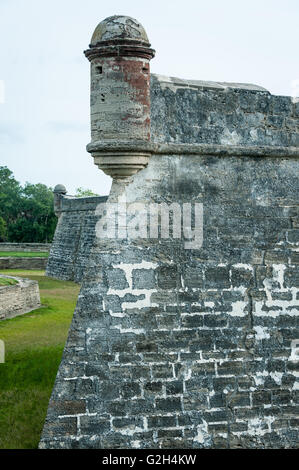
x: 60, y: 188
x: 119, y: 28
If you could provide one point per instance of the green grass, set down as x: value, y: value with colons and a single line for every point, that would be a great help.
x: 24, y: 254
x: 7, y: 282
x: 33, y: 348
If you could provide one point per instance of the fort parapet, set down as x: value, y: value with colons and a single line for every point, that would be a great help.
x: 188, y: 118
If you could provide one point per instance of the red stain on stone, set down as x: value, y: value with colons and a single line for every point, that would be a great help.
x: 121, y: 79
x: 139, y: 82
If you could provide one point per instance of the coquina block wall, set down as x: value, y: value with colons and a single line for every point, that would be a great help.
x: 184, y: 112
x: 43, y: 247
x: 73, y: 237
x: 22, y: 263
x: 18, y: 299
x: 172, y: 347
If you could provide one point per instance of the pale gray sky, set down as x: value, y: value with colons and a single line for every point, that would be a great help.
x: 44, y: 120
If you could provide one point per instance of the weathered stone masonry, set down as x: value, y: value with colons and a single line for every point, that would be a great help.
x: 18, y: 299
x: 186, y: 112
x: 22, y: 263
x: 74, y: 237
x: 36, y: 247
x: 171, y: 347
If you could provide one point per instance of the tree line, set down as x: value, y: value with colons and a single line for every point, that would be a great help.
x: 26, y: 212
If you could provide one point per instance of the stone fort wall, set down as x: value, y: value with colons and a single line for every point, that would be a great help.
x: 221, y: 113
x: 189, y: 348
x: 74, y: 237
x: 221, y: 116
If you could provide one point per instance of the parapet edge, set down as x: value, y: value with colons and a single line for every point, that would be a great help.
x: 175, y: 82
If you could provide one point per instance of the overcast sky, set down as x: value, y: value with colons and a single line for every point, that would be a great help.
x: 44, y: 76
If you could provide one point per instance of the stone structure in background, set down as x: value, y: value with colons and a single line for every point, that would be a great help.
x: 74, y: 236
x: 13, y: 262
x: 172, y: 346
x: 25, y: 247
x: 59, y: 192
x: 32, y: 262
x: 19, y: 298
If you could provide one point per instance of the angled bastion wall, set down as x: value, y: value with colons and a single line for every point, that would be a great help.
x: 73, y: 239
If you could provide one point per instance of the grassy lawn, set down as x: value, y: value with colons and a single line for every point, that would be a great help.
x: 24, y: 254
x: 33, y: 348
x: 7, y: 282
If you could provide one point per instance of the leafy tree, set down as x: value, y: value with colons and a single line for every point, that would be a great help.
x: 27, y: 213
x: 3, y: 230
x: 81, y: 192
x: 10, y: 195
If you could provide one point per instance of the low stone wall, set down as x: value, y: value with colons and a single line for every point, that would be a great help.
x: 19, y: 298
x: 23, y: 263
x: 42, y: 247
